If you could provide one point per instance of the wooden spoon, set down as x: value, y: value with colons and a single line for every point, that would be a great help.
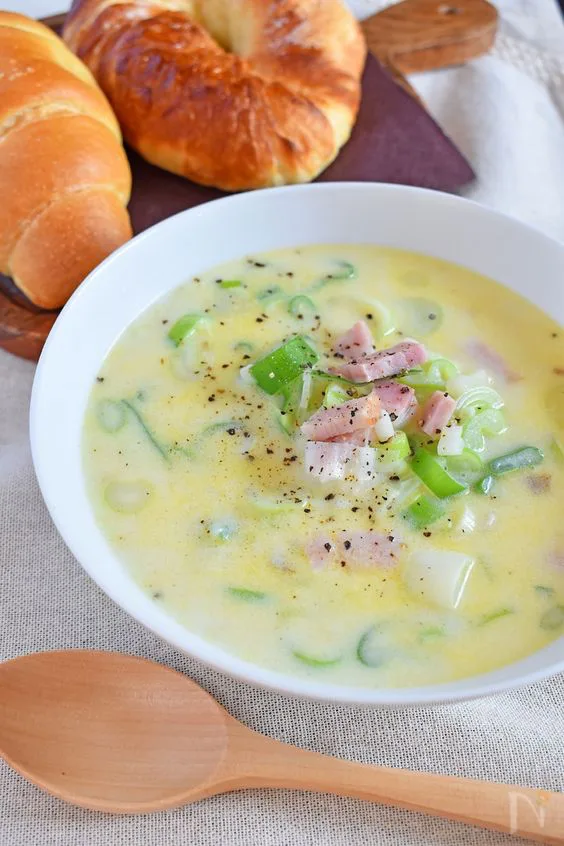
x: 116, y: 733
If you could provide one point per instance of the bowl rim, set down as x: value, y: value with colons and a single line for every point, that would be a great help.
x: 217, y: 658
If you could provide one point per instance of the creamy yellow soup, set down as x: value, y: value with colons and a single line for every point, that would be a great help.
x: 208, y: 501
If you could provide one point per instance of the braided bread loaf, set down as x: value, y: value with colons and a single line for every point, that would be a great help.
x: 64, y: 177
x: 233, y: 93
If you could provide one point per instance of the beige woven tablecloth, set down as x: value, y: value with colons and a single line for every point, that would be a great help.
x: 504, y: 111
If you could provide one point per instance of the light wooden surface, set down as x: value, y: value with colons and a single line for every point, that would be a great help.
x: 115, y: 733
x: 419, y: 35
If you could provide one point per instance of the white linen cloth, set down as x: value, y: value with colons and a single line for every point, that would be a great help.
x: 506, y: 113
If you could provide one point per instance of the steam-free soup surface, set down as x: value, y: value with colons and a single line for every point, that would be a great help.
x: 202, y: 480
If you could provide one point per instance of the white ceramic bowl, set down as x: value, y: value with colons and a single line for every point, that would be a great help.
x: 172, y: 252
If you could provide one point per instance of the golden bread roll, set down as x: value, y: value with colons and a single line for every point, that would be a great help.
x: 64, y: 177
x: 232, y: 93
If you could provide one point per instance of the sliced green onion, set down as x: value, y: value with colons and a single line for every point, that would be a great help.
x: 244, y: 346
x: 265, y: 505
x: 432, y: 376
x: 270, y: 295
x: 266, y: 293
x: 404, y: 492
x: 554, y: 402
x: 283, y: 365
x: 151, y: 437
x: 332, y: 377
x: 553, y: 618
x: 223, y: 426
x: 517, y: 460
x: 305, y: 393
x: 312, y: 661
x: 419, y: 317
x: 480, y: 397
x: 467, y: 467
x: 184, y: 327
x: 127, y: 497
x: 557, y: 448
x: 460, y: 383
x: 434, y: 476
x: 396, y: 449
x: 467, y: 461
x: 369, y: 649
x: 441, y: 368
x: 485, y: 485
x: 489, y: 422
x: 381, y: 319
x: 495, y: 615
x: 544, y: 590
x: 246, y: 594
x: 223, y: 530
x: 431, y: 633
x: 230, y: 283
x: 346, y: 270
x: 418, y: 379
x: 286, y: 422
x: 295, y: 407
x: 385, y: 323
x: 111, y: 415
x: 335, y: 394
x: 300, y: 305
x: 424, y: 511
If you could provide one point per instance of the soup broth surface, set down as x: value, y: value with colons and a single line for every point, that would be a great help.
x: 209, y: 503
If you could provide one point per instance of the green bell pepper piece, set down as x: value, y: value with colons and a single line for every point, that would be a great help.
x: 284, y: 364
x: 434, y: 476
x: 184, y: 327
x: 424, y: 511
x: 393, y: 450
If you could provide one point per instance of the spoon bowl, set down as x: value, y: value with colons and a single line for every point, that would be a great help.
x: 116, y: 733
x: 109, y: 731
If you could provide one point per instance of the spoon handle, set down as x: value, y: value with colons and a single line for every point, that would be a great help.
x: 521, y: 811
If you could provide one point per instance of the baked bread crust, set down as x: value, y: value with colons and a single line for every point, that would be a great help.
x: 64, y: 177
x: 237, y: 94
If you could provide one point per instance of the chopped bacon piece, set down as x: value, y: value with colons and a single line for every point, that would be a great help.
x: 492, y: 360
x: 396, y: 399
x: 357, y: 341
x: 380, y: 365
x: 437, y: 411
x: 538, y: 482
x: 355, y: 414
x: 329, y: 461
x: 360, y: 437
x: 556, y: 559
x: 355, y: 549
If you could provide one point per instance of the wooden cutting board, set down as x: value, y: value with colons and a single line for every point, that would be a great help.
x: 410, y: 36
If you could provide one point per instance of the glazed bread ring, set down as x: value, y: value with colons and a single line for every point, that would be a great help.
x: 232, y: 93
